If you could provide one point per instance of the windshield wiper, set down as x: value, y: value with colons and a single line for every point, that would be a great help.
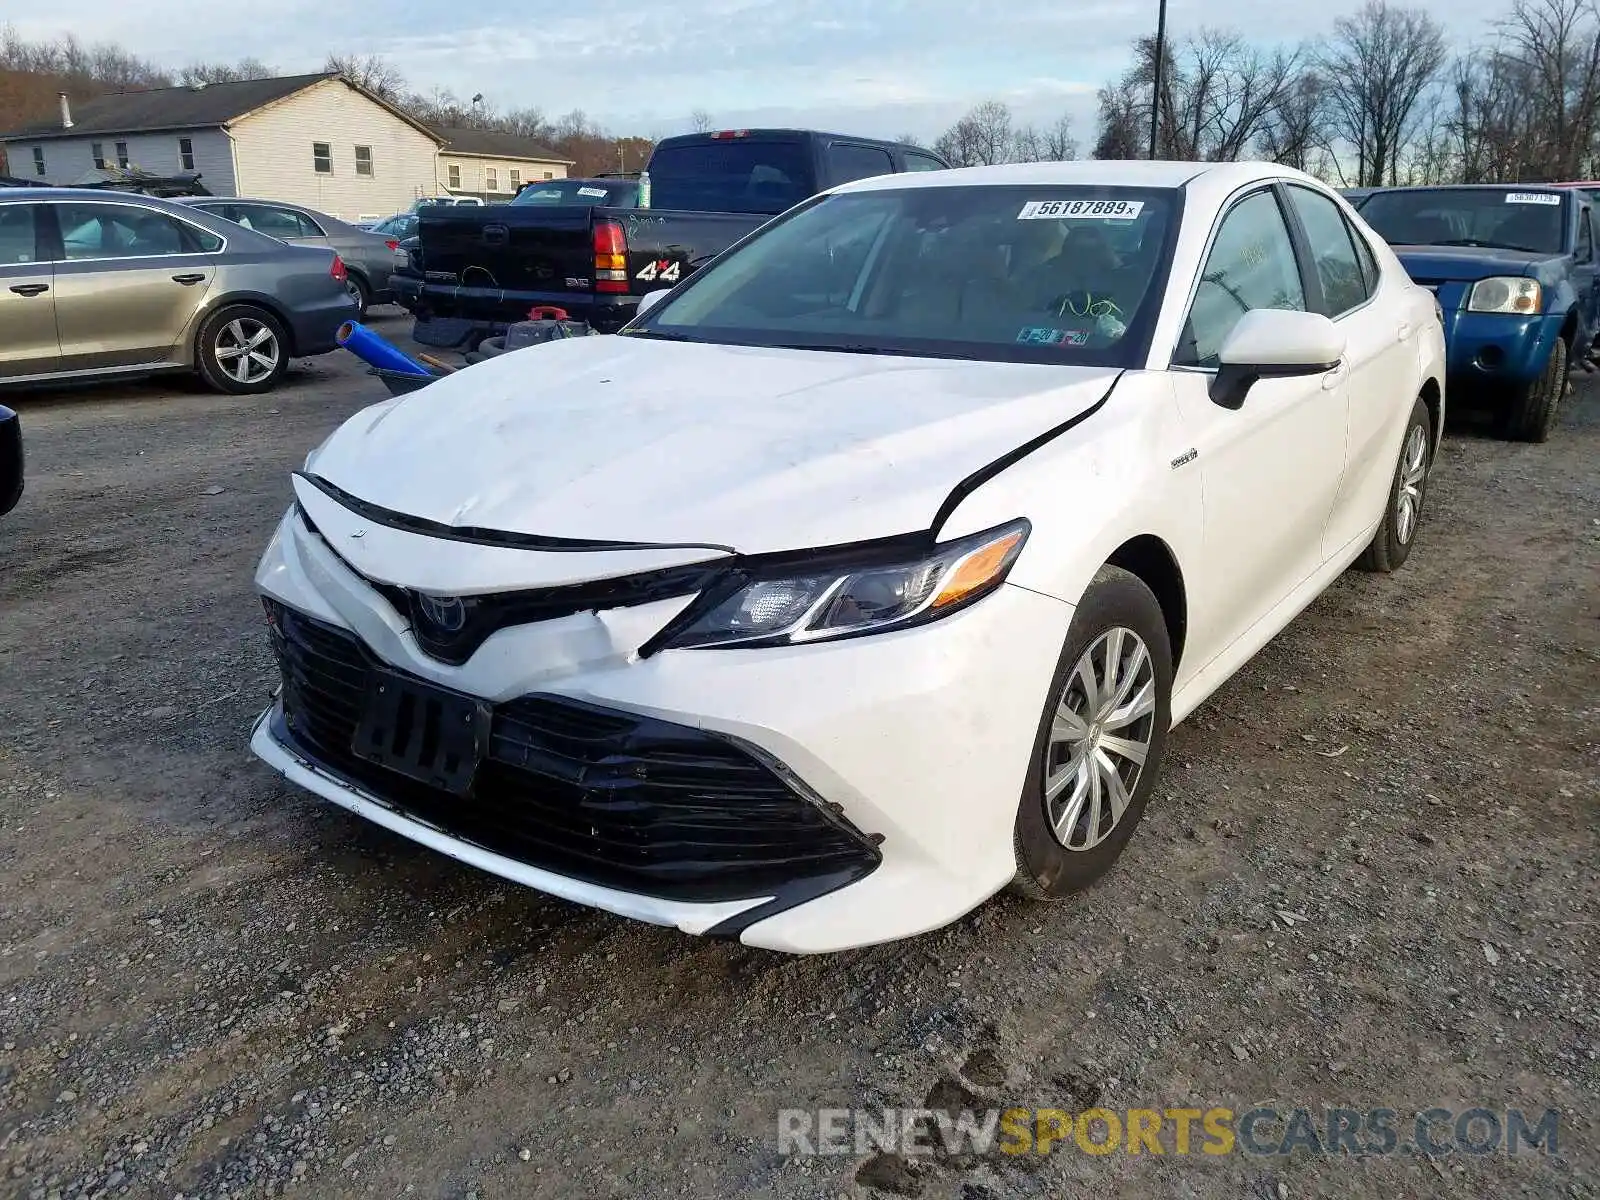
x: 663, y: 335
x: 1475, y: 242
x: 865, y: 348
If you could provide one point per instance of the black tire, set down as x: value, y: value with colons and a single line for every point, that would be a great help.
x: 360, y: 291
x: 210, y: 358
x: 1047, y: 869
x: 1391, y: 545
x: 1532, y: 413
x: 492, y: 346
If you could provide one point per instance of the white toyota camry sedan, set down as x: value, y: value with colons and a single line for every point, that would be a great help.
x: 864, y: 572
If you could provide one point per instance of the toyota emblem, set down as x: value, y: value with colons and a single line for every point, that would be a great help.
x: 447, y: 614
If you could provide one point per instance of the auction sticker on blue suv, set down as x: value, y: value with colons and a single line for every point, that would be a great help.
x: 1532, y: 198
x: 1066, y: 210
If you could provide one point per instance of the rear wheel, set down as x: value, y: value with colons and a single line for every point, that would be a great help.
x: 242, y: 349
x: 359, y: 292
x: 1532, y: 414
x: 1098, y: 752
x: 1391, y: 545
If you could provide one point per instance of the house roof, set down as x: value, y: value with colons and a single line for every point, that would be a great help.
x: 211, y: 105
x: 492, y: 143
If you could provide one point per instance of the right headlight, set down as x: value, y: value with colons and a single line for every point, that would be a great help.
x: 796, y: 606
x: 1514, y: 294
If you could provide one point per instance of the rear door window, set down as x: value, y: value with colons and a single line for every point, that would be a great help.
x: 100, y: 231
x: 847, y: 162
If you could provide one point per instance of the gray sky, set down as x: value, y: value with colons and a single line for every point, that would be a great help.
x: 874, y: 67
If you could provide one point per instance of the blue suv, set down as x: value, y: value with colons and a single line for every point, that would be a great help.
x: 1513, y: 267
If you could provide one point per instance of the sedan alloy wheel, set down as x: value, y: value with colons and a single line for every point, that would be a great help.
x: 247, y: 350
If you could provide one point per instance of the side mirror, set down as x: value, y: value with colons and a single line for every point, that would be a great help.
x: 1274, y: 343
x: 10, y: 460
x: 650, y: 299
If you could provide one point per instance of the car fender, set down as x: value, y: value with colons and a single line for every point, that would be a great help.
x: 1116, y: 476
x: 214, y: 303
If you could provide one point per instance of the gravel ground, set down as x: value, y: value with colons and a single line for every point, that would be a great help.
x: 1370, y: 881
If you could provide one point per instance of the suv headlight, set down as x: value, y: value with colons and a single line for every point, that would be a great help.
x: 1506, y: 294
x: 793, y: 607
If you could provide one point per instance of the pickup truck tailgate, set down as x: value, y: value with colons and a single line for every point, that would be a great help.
x: 488, y: 248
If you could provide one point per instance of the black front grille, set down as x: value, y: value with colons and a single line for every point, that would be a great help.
x: 612, y: 798
x: 474, y: 619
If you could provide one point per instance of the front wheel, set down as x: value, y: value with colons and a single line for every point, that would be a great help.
x: 1098, y: 752
x: 242, y: 349
x: 1532, y: 415
x: 1391, y: 545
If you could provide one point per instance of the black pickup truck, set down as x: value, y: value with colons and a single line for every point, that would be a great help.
x: 473, y: 271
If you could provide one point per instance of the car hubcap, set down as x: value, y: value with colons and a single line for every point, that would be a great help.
x: 247, y: 350
x: 354, y: 289
x: 1413, y: 475
x: 1099, y: 739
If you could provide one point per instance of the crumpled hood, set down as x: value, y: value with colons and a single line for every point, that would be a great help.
x: 625, y: 439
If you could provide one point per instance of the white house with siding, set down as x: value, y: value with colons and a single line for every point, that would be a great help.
x: 493, y: 165
x: 318, y: 140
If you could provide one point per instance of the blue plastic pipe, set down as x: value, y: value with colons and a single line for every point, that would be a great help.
x: 375, y: 352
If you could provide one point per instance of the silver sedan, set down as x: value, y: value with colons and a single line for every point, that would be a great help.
x: 369, y: 257
x: 100, y: 285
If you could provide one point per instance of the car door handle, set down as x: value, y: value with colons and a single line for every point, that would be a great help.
x: 188, y: 280
x: 30, y: 289
x: 1404, y: 332
x: 1333, y: 378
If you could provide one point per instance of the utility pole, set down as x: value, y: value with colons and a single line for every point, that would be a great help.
x: 1155, y: 85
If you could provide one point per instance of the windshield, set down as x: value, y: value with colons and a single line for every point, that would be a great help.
x: 1502, y: 218
x: 1007, y: 274
x: 734, y: 175
x: 586, y: 192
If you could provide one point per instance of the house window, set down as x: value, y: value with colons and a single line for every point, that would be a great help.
x: 322, y: 158
x: 455, y: 174
x: 549, y: 174
x: 516, y: 178
x: 122, y: 155
x: 186, y: 154
x: 363, y: 160
x: 97, y: 151
x: 491, y: 180
x: 38, y: 160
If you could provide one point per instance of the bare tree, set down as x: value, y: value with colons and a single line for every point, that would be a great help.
x: 370, y: 71
x: 700, y: 121
x: 1378, y: 66
x: 1058, y: 143
x: 910, y: 139
x: 981, y: 138
x: 245, y: 68
x: 1123, y: 118
x: 1295, y: 131
x: 1555, y: 45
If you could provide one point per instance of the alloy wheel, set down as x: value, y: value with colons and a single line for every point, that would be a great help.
x: 1413, y: 477
x: 1100, y: 738
x: 247, y: 350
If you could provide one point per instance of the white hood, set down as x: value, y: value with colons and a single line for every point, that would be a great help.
x: 632, y: 440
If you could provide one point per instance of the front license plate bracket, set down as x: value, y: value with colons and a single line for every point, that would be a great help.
x: 427, y: 733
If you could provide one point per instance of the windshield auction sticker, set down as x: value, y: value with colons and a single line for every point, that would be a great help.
x: 1531, y: 198
x: 1069, y: 210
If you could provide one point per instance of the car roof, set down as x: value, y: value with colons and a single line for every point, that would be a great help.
x: 1476, y: 187
x: 1215, y: 180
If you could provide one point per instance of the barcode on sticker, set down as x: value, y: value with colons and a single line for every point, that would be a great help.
x: 1068, y: 210
x: 1532, y: 198
x: 592, y: 192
